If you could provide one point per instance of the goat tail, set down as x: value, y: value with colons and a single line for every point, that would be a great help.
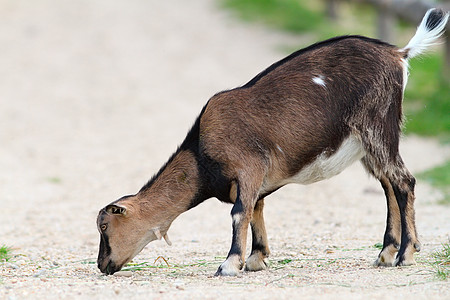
x: 429, y: 30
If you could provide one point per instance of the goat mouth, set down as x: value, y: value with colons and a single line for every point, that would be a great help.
x: 110, y: 268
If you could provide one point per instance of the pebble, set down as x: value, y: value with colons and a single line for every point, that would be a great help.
x: 179, y: 284
x: 21, y: 262
x: 12, y: 266
x: 123, y: 274
x: 40, y: 273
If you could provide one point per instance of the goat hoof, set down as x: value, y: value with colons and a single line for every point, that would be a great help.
x: 223, y: 272
x: 380, y: 262
x: 228, y: 268
x: 399, y: 262
x: 256, y: 262
x: 386, y: 258
x: 406, y: 258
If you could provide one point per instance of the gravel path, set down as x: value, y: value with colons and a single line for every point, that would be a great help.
x: 94, y: 97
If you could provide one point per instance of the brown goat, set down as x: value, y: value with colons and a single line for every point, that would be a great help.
x: 304, y: 119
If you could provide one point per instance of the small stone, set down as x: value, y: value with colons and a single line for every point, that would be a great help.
x: 40, y: 273
x: 21, y: 262
x: 12, y: 266
x: 179, y: 282
x: 123, y: 274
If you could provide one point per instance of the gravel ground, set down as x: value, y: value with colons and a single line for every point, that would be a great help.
x: 95, y: 95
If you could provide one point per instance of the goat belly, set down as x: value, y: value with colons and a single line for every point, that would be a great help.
x: 326, y: 166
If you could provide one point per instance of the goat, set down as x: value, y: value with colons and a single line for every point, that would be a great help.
x: 304, y: 119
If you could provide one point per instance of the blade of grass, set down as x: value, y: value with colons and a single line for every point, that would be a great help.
x: 441, y: 262
x: 5, y: 253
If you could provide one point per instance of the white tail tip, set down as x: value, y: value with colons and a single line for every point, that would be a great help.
x: 429, y: 30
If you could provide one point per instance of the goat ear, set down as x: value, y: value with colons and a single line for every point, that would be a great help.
x: 114, y: 209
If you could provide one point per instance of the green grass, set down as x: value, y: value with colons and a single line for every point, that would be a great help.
x: 163, y: 263
x: 5, y: 253
x: 427, y: 98
x: 439, y: 177
x: 284, y: 261
x: 378, y: 246
x: 441, y: 262
x: 289, y: 15
x: 55, y: 180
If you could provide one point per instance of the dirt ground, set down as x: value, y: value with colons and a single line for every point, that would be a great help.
x: 94, y: 97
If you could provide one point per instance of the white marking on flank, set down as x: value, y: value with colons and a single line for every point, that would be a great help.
x: 320, y: 80
x: 279, y: 149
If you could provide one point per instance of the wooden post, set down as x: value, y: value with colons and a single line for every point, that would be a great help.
x: 332, y: 9
x: 386, y: 22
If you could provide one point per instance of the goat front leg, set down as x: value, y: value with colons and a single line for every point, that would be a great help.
x: 241, y: 215
x: 258, y: 259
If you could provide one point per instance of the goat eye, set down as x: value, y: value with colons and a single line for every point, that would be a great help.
x: 103, y: 227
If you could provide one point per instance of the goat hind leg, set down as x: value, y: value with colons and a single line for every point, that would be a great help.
x: 392, y: 235
x: 403, y: 187
x: 258, y: 259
